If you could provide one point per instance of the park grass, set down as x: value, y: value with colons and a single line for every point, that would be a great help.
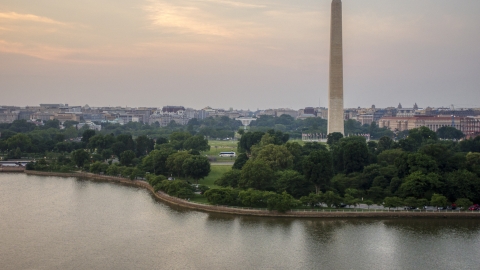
x: 221, y: 146
x: 216, y: 171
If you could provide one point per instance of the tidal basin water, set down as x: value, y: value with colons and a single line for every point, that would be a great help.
x: 68, y: 223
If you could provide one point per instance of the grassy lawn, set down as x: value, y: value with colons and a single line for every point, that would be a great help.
x: 215, y: 173
x: 221, y: 146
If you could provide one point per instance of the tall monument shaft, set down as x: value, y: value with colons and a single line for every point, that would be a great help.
x: 335, y: 88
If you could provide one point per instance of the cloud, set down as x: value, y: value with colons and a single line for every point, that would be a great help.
x: 183, y: 19
x: 28, y: 17
x: 234, y: 3
x: 37, y: 51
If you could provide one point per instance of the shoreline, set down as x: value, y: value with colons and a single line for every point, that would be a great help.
x: 260, y: 213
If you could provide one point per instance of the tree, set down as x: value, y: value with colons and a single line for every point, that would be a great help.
x: 376, y: 194
x: 175, y: 162
x: 389, y: 156
x: 318, y: 168
x: 296, y: 150
x: 21, y: 141
x: 449, y: 133
x: 462, y: 184
x: 309, y: 147
x: 87, y: 134
x: 411, y: 202
x: 419, y: 185
x: 312, y: 199
x: 127, y: 142
x: 418, y: 162
x: 52, y: 124
x: 368, y: 203
x: 471, y: 145
x: 248, y: 140
x: 98, y: 167
x: 333, y: 138
x: 70, y: 132
x: 69, y: 123
x: 281, y: 202
x: 385, y: 143
x: 439, y: 200
x: 350, y: 200
x: 144, y: 145
x: 256, y: 174
x: 416, y: 138
x: 155, y: 161
x: 176, y: 188
x: 240, y: 161
x: 350, y: 154
x: 221, y: 196
x: 392, y: 202
x: 126, y: 158
x: 253, y: 198
x: 198, y: 142
x: 332, y: 199
x: 177, y: 139
x: 107, y: 154
x: 276, y: 156
x: 196, y: 167
x: 463, y: 203
x: 293, y: 183
x: 100, y: 142
x: 80, y: 157
x: 113, y: 170
x: 229, y: 179
x: 473, y: 162
x: 14, y: 154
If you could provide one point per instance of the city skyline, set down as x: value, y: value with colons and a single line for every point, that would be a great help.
x: 241, y: 54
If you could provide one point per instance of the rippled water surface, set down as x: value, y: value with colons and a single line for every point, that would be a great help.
x: 66, y: 223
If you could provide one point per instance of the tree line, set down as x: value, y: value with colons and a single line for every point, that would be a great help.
x: 417, y: 170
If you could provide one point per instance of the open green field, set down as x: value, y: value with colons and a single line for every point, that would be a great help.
x: 221, y: 146
x: 215, y: 172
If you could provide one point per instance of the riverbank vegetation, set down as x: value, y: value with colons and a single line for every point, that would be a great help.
x: 270, y: 171
x: 412, y: 172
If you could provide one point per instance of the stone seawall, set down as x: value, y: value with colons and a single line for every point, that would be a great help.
x: 11, y: 169
x: 263, y: 213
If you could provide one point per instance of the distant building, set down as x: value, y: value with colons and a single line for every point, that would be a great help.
x: 468, y: 125
x: 90, y: 125
x: 172, y: 109
x: 9, y: 117
x: 62, y: 117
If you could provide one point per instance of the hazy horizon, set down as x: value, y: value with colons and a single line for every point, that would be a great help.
x: 241, y: 54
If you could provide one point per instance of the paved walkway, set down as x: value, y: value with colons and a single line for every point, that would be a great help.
x: 228, y: 163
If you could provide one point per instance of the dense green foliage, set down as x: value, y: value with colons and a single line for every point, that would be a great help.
x: 422, y: 168
x: 417, y: 170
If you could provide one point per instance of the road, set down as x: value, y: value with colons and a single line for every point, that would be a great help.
x: 228, y: 163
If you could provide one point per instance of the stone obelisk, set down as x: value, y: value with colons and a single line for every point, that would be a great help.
x: 335, y: 88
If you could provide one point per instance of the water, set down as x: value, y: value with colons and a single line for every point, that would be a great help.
x: 66, y: 223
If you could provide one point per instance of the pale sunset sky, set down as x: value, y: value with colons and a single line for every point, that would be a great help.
x: 243, y: 54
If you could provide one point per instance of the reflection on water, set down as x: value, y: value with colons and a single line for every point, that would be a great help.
x: 435, y: 227
x: 65, y: 223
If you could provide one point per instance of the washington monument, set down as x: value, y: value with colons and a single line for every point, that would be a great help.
x: 335, y: 88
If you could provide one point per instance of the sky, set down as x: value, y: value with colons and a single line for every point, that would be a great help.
x: 246, y: 54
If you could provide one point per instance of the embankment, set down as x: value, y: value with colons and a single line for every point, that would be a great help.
x: 263, y: 213
x: 11, y: 169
